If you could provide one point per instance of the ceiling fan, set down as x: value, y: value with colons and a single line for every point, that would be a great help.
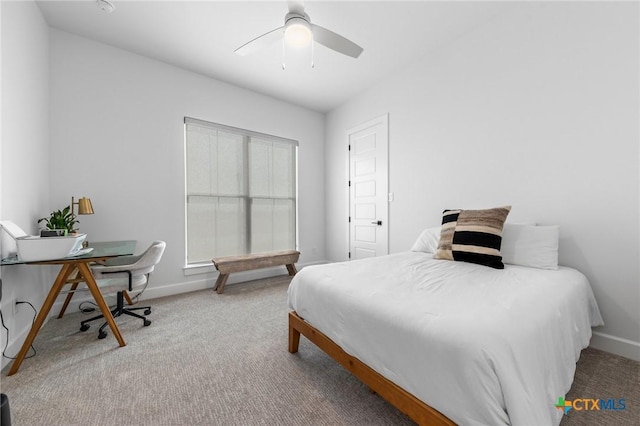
x: 298, y: 31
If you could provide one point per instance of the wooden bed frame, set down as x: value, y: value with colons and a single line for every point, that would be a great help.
x: 417, y: 410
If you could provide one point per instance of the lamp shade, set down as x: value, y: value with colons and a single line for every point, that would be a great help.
x: 84, y: 206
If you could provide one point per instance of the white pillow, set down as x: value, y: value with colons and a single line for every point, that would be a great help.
x: 428, y: 240
x: 530, y: 245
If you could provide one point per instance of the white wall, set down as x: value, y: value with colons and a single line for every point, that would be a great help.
x: 24, y: 172
x: 117, y: 136
x: 81, y: 118
x: 537, y: 109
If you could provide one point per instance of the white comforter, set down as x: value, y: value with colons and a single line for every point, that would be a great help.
x: 481, y: 345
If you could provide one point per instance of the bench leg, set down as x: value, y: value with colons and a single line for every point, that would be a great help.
x: 292, y: 269
x: 220, y: 282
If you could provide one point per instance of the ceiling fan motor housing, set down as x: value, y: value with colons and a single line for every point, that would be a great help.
x: 293, y: 15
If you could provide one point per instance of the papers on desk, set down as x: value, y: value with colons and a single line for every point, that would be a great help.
x: 81, y: 252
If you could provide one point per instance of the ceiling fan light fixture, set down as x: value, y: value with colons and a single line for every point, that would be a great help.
x: 297, y: 32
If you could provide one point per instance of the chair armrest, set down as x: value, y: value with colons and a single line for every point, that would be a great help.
x: 119, y: 271
x: 111, y: 269
x: 117, y: 264
x: 128, y: 261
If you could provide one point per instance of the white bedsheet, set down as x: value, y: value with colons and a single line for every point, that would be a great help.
x: 481, y: 345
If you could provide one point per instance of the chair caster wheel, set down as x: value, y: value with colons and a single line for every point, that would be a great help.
x: 147, y: 323
x: 102, y: 335
x: 147, y: 311
x: 84, y: 327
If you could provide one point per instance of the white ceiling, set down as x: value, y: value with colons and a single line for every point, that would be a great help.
x: 201, y: 36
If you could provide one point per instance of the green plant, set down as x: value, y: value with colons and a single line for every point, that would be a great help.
x: 60, y: 219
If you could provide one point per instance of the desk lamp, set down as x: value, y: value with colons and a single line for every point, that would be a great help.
x: 84, y: 205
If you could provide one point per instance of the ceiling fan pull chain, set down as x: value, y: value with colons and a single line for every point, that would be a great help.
x: 283, y: 54
x: 312, y: 55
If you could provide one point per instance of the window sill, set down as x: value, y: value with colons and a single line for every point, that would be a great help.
x: 199, y: 268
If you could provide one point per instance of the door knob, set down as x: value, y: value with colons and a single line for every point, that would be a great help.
x: 379, y: 223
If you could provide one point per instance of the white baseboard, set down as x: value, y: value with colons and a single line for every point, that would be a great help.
x: 616, y: 345
x: 208, y: 281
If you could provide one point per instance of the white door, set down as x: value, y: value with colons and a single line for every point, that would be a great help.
x: 368, y: 189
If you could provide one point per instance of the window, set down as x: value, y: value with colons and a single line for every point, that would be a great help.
x: 241, y: 191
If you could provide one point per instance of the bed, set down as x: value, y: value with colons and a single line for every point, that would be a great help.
x: 450, y: 342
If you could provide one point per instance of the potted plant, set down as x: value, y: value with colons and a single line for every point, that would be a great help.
x: 61, y: 221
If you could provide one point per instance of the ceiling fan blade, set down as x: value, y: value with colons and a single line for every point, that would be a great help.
x: 261, y: 42
x: 335, y: 41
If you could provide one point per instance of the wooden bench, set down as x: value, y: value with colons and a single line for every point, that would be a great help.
x: 227, y: 265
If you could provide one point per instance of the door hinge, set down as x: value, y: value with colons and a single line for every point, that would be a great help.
x: 349, y: 219
x: 349, y: 147
x: 349, y: 255
x: 349, y: 183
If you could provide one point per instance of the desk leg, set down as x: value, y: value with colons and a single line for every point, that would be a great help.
x: 60, y: 281
x: 74, y: 286
x: 97, y: 295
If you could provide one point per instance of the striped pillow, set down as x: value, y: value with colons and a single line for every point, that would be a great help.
x: 473, y: 236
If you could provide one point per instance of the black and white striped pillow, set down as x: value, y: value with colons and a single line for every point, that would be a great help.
x: 473, y: 236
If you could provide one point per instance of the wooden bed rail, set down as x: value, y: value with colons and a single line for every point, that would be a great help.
x: 417, y: 410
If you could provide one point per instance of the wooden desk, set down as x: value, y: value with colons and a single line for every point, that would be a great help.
x: 80, y: 265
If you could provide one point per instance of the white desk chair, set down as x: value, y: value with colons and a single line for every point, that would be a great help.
x: 124, y: 274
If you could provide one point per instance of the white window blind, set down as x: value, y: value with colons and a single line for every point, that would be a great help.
x: 241, y: 191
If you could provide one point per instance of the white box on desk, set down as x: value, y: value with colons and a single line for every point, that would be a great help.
x: 32, y: 248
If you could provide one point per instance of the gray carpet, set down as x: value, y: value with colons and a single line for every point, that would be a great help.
x: 212, y: 359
